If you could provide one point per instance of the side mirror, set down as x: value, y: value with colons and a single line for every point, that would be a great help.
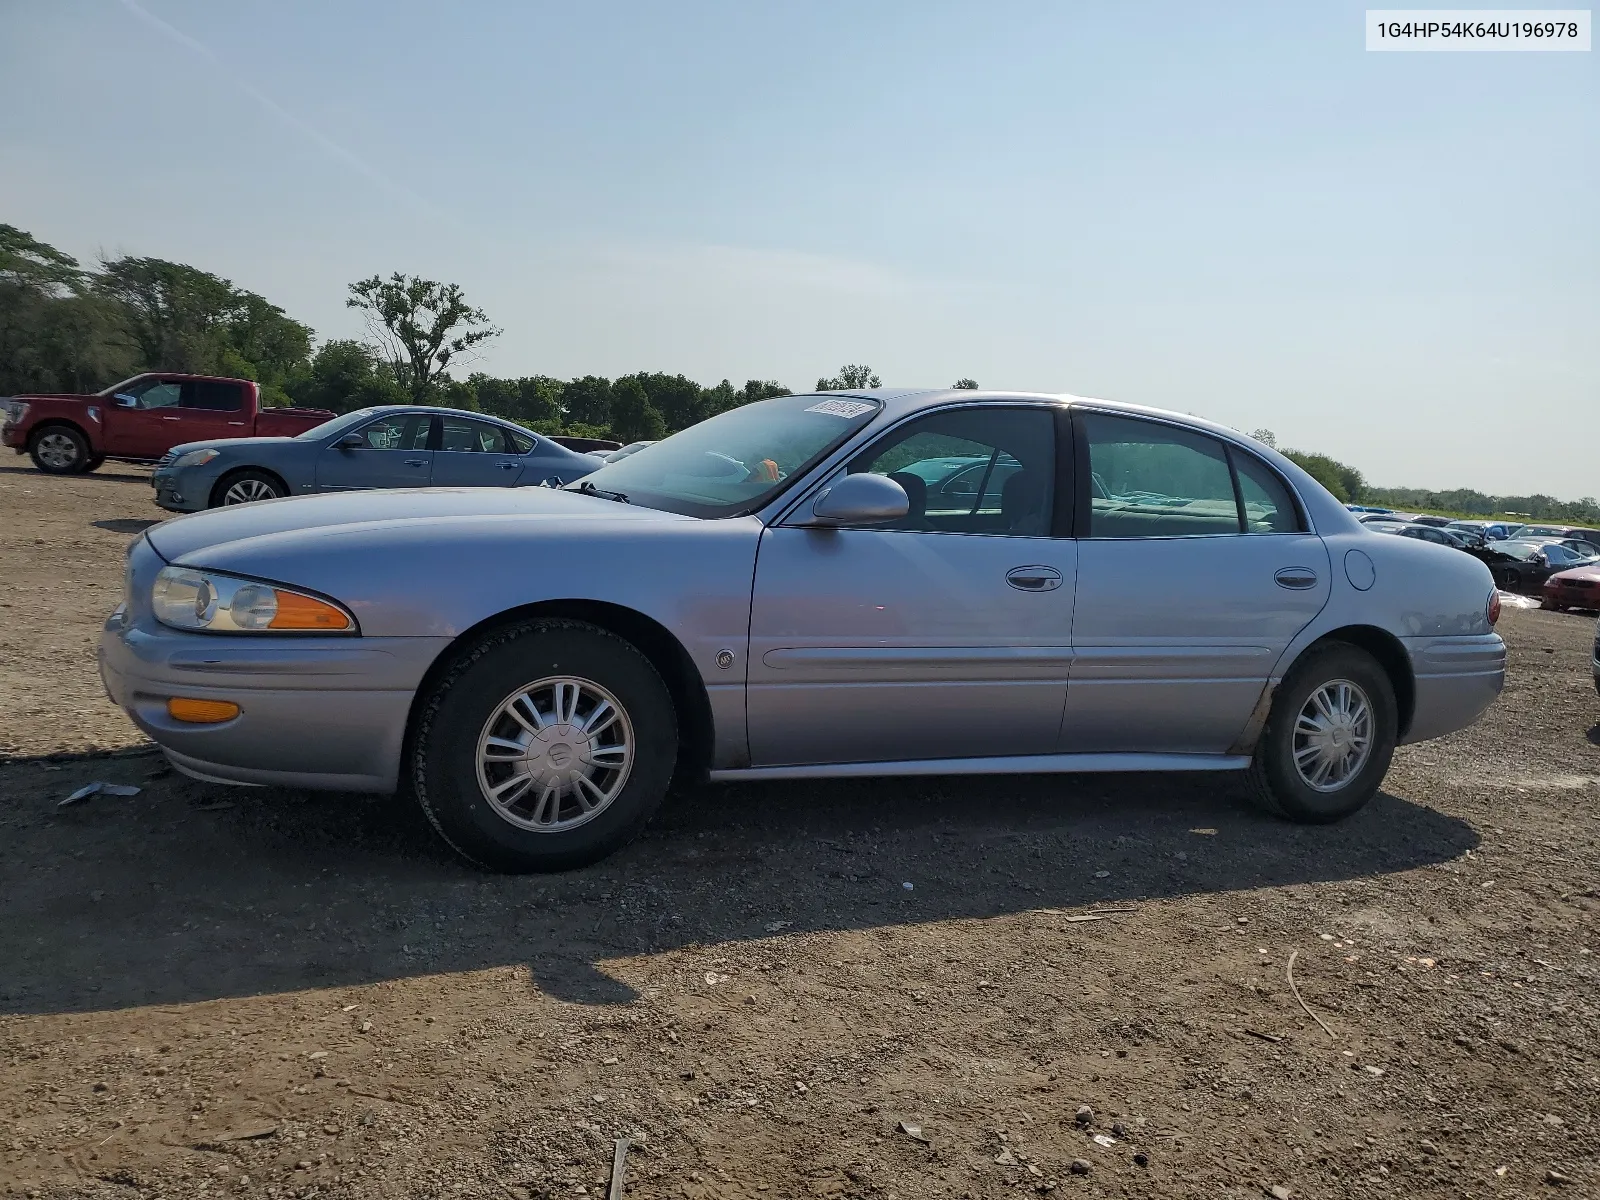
x: 860, y: 500
x: 124, y: 400
x: 351, y: 441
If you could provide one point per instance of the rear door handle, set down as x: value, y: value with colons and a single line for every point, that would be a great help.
x: 1297, y: 579
x: 1034, y: 579
x: 416, y: 462
x: 172, y: 418
x: 509, y: 466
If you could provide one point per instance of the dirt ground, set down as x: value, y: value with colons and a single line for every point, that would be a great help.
x: 877, y: 989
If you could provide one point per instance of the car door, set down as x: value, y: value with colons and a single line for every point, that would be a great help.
x: 142, y: 421
x: 209, y: 409
x: 393, y: 453
x: 1195, y: 571
x: 946, y: 634
x: 474, y: 454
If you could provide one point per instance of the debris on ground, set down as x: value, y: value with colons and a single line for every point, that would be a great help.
x: 99, y: 788
x: 914, y: 1132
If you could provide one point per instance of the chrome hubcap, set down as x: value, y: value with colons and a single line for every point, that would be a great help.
x: 1333, y: 735
x: 248, y: 491
x: 555, y: 754
x: 57, y: 450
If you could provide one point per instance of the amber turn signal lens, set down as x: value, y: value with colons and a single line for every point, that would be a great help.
x: 201, y: 712
x: 304, y: 612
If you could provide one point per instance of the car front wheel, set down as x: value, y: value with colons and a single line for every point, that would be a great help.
x: 247, y: 487
x: 59, y: 450
x: 1328, y: 739
x: 547, y: 745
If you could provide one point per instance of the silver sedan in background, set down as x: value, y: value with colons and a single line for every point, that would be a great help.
x: 388, y: 447
x: 873, y: 583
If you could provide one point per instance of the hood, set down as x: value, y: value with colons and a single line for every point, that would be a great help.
x: 1591, y: 573
x: 226, y: 443
x: 345, y: 513
x: 30, y: 397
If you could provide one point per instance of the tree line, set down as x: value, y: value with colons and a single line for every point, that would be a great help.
x: 65, y: 327
x: 1348, y: 484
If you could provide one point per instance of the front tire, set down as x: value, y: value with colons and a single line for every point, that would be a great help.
x: 246, y: 487
x: 547, y: 745
x: 1328, y: 739
x: 59, y: 450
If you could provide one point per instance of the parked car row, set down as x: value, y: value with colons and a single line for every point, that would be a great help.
x: 395, y: 446
x: 138, y: 419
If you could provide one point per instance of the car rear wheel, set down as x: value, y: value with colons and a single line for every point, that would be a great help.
x: 547, y: 745
x: 247, y: 487
x: 1328, y: 739
x: 59, y: 450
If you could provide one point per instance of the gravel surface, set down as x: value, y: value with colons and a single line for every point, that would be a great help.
x: 944, y: 988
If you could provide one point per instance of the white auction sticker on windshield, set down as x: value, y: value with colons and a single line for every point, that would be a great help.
x: 842, y: 408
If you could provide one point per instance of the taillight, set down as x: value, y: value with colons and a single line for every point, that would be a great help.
x: 1494, y: 607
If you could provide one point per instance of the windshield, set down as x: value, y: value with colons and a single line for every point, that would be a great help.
x: 736, y: 461
x: 1519, y: 549
x: 334, y: 427
x: 119, y: 386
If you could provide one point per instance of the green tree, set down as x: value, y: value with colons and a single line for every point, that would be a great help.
x: 56, y: 333
x: 1266, y: 437
x: 419, y: 326
x: 679, y: 400
x: 760, y: 389
x: 633, y: 417
x: 345, y: 376
x: 965, y: 385
x: 587, y: 401
x: 184, y: 319
x: 851, y: 378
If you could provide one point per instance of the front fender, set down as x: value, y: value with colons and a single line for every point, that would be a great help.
x: 440, y: 578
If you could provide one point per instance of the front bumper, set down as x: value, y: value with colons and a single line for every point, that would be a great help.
x: 1571, y: 595
x: 182, y: 491
x: 1456, y: 680
x: 11, y: 435
x: 315, y: 712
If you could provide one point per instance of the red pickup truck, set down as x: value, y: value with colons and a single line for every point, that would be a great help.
x: 140, y: 419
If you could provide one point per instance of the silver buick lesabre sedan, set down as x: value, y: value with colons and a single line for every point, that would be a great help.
x: 865, y: 583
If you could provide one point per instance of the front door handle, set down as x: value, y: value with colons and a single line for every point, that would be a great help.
x: 1034, y: 579
x: 1298, y: 579
x: 416, y: 462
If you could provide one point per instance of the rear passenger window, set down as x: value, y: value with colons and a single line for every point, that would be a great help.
x: 1268, y: 507
x: 1152, y: 480
x: 214, y: 396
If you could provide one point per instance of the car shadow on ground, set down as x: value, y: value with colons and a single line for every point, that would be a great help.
x: 121, y: 472
x: 191, y: 892
x: 124, y: 525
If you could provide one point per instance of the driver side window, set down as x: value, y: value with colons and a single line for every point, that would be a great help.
x: 973, y: 470
x: 161, y: 394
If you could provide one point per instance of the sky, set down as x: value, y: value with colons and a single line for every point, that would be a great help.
x: 1233, y: 210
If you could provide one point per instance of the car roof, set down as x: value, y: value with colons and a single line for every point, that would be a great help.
x: 432, y: 410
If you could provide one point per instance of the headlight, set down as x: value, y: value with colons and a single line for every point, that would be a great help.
x: 189, y: 599
x: 14, y: 410
x: 195, y: 458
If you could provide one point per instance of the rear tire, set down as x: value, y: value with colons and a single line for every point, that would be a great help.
x: 503, y: 736
x: 59, y: 450
x: 246, y: 487
x: 1310, y: 730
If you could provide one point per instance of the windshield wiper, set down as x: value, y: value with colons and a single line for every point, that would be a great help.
x: 604, y: 493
